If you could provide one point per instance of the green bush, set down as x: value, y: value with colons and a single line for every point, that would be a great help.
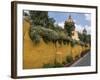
x: 73, y: 43
x: 48, y: 65
x: 64, y: 63
x: 64, y: 42
x: 49, y: 35
x: 45, y: 33
x: 86, y: 45
x: 57, y: 64
x: 61, y: 37
x: 81, y: 43
x: 68, y: 40
x: 35, y: 37
x: 69, y: 59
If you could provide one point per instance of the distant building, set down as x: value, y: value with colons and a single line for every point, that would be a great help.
x: 74, y: 34
x: 84, y: 31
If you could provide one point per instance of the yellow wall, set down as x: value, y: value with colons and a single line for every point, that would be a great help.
x: 35, y: 56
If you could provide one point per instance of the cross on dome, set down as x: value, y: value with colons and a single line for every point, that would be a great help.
x: 70, y: 19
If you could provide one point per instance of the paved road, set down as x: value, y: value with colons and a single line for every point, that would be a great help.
x: 84, y: 61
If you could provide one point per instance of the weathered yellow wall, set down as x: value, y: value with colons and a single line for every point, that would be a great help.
x: 35, y: 56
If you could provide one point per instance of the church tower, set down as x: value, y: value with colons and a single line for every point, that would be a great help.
x: 70, y: 28
x: 70, y: 22
x: 84, y: 31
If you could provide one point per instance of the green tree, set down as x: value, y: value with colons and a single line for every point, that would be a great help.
x: 80, y: 36
x: 39, y: 18
x: 69, y: 27
x: 50, y: 23
x: 88, y: 39
x: 85, y: 38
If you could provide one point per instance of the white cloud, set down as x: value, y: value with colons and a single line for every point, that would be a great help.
x: 61, y: 24
x: 26, y: 11
x: 87, y: 17
x: 80, y: 28
x: 75, y: 21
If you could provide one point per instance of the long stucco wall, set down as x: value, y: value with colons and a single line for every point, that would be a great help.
x: 35, y: 56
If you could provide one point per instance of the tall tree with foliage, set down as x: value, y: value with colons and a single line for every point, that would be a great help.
x: 84, y: 35
x: 50, y: 23
x: 41, y: 18
x: 69, y: 26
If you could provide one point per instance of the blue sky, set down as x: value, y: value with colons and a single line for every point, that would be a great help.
x: 82, y: 20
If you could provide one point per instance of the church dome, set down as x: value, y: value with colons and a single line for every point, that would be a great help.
x: 84, y: 31
x: 69, y: 20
